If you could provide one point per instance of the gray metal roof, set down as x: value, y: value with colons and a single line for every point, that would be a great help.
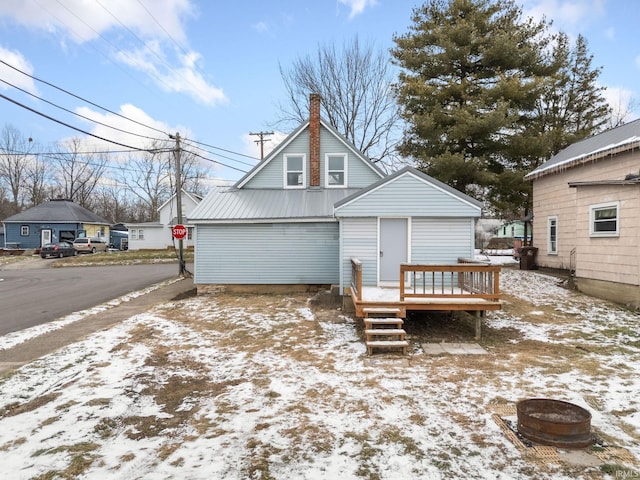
x: 57, y: 211
x: 617, y: 140
x: 229, y: 204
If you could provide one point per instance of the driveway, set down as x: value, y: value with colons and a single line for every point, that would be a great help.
x: 31, y: 293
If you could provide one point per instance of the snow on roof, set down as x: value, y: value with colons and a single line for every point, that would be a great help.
x: 611, y: 142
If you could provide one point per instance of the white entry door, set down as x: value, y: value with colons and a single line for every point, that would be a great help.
x: 45, y: 237
x: 393, y: 248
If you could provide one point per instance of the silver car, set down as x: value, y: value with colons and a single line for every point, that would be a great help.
x: 90, y: 245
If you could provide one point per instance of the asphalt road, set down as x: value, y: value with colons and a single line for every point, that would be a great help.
x: 33, y: 293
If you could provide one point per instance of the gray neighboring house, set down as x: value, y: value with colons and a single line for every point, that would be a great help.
x: 314, y: 202
x: 53, y: 221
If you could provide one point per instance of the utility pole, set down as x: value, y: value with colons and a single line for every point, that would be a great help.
x: 181, y: 267
x: 261, y: 141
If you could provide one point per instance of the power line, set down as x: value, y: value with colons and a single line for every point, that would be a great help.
x: 163, y: 29
x: 83, y: 99
x: 219, y: 148
x: 75, y: 113
x: 261, y: 140
x: 72, y: 127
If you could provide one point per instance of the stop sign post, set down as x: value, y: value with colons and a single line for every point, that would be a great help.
x: 179, y: 231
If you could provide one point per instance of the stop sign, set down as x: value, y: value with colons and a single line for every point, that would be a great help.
x: 179, y: 231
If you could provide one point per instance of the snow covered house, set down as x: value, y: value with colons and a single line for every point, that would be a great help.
x: 586, y: 204
x: 315, y: 207
x: 157, y: 235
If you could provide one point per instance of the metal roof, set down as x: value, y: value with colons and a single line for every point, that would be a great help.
x: 229, y: 204
x: 57, y: 211
x: 617, y: 140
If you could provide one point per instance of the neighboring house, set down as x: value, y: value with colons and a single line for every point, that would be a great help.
x: 586, y: 206
x: 157, y: 235
x: 302, y: 213
x: 513, y: 229
x: 53, y: 221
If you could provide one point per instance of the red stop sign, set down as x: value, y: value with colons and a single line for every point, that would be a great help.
x: 179, y: 231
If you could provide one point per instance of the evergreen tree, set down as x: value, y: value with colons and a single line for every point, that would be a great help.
x: 471, y: 70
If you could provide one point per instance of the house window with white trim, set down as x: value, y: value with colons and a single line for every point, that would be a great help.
x: 189, y: 233
x: 141, y: 234
x: 134, y: 234
x: 603, y: 220
x: 335, y: 170
x: 552, y: 235
x: 294, y: 171
x: 24, y: 231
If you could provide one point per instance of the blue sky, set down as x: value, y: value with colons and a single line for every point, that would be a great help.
x: 210, y: 69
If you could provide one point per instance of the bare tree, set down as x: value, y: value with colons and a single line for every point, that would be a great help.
x: 355, y: 84
x: 78, y: 172
x: 14, y: 151
x: 147, y: 177
x: 37, y: 181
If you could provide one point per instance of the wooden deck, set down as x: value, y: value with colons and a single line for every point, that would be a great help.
x: 466, y: 286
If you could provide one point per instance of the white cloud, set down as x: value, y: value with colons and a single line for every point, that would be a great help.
x: 357, y: 6
x: 130, y: 133
x: 567, y: 15
x: 13, y: 76
x: 185, y: 78
x: 261, y: 27
x: 622, y: 102
x: 83, y: 21
x: 164, y: 56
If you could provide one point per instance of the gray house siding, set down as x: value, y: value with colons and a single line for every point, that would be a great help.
x: 271, y: 176
x: 286, y: 253
x: 441, y: 240
x: 408, y: 196
x: 360, y: 240
x: 433, y: 241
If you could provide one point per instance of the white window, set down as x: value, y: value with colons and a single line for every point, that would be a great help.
x: 141, y: 234
x: 294, y: 171
x: 24, y: 230
x: 134, y: 234
x: 335, y: 170
x: 603, y: 220
x: 189, y: 233
x: 552, y: 235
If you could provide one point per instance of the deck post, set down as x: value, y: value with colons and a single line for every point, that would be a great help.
x: 478, y: 325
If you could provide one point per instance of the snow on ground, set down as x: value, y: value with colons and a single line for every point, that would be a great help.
x: 233, y: 387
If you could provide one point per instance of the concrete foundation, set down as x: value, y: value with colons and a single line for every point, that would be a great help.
x: 621, y: 293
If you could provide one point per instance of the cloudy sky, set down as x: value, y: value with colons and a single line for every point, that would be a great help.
x: 210, y: 69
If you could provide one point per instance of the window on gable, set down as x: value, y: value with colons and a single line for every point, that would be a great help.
x: 336, y: 170
x: 294, y: 171
x: 604, y: 220
x: 24, y: 231
x: 552, y: 235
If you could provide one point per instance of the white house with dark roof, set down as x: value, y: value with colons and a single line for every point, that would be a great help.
x: 586, y: 213
x: 314, y: 203
x: 157, y: 235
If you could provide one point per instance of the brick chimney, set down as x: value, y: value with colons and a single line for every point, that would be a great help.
x: 314, y: 140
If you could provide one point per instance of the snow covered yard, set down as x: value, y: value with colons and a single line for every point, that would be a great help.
x: 270, y: 387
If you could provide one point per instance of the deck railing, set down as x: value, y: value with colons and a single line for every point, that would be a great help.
x: 356, y: 279
x: 464, y: 280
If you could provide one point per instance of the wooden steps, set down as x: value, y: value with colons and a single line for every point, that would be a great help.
x: 385, y: 333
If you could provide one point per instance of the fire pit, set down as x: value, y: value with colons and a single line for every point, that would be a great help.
x: 554, y: 422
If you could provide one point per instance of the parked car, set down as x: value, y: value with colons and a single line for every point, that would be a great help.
x: 58, y: 249
x: 90, y: 245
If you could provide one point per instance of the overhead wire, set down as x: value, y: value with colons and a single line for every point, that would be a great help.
x: 77, y: 114
x: 48, y: 117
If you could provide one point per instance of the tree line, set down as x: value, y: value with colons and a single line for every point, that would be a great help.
x: 120, y: 187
